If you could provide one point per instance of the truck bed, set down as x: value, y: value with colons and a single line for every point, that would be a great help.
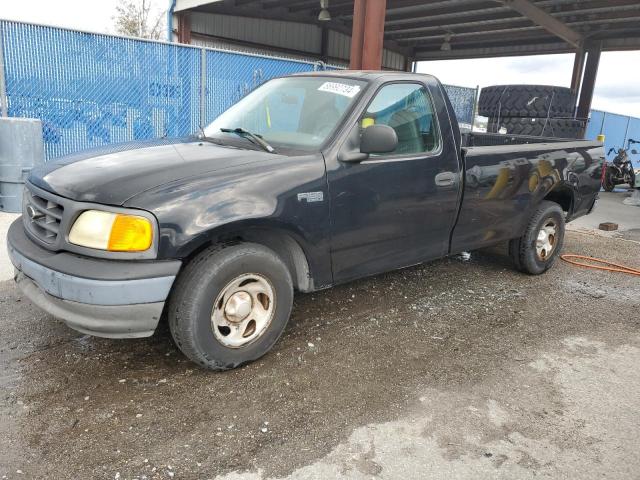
x: 507, y: 175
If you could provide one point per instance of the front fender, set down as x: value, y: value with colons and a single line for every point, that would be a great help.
x: 288, y: 194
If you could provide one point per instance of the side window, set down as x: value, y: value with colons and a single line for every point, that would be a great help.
x: 407, y: 108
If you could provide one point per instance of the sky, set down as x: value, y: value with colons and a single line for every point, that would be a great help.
x: 617, y: 86
x: 91, y: 15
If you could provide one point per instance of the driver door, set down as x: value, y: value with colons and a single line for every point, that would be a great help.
x: 397, y: 209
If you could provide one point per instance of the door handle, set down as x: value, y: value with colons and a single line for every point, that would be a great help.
x: 446, y: 179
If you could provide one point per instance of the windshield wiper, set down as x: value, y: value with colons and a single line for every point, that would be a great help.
x: 252, y: 137
x: 203, y: 136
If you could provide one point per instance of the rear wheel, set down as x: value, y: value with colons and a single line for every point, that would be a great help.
x: 230, y: 305
x: 536, y: 251
x: 609, y: 182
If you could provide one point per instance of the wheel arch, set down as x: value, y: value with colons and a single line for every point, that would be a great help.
x: 289, y: 246
x: 563, y: 196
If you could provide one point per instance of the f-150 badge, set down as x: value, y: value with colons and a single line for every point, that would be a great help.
x: 311, y: 197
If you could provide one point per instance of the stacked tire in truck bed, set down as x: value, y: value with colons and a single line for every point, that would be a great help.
x: 534, y: 110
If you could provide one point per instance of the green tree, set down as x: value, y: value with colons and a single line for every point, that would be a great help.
x: 138, y: 18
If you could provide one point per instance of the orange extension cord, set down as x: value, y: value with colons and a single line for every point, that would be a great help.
x: 606, y: 266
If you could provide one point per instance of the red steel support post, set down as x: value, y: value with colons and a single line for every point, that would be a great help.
x: 589, y: 81
x: 578, y: 70
x: 184, y: 28
x: 357, y: 34
x: 373, y: 42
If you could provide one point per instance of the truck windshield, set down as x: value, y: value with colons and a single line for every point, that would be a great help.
x: 296, y: 112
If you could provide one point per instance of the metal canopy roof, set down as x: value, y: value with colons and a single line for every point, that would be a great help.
x: 421, y: 29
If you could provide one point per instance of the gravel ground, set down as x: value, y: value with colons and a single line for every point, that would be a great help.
x: 456, y: 369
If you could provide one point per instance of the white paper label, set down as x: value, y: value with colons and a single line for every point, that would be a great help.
x: 340, y: 89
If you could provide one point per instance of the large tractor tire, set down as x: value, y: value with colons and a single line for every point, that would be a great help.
x: 537, y: 127
x: 527, y: 101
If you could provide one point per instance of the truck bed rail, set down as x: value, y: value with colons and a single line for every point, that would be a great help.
x: 493, y: 139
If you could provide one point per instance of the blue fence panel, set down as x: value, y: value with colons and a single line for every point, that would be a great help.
x: 594, y: 126
x: 463, y: 100
x: 618, y: 130
x: 615, y: 130
x: 230, y: 76
x: 91, y: 90
x: 633, y: 132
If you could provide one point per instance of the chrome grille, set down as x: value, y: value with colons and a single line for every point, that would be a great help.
x: 42, y: 216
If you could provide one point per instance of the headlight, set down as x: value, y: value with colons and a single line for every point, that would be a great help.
x: 115, y: 232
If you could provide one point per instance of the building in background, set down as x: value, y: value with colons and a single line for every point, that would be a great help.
x: 250, y: 28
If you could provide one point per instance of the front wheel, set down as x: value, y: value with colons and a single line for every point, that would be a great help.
x: 230, y: 305
x: 536, y: 251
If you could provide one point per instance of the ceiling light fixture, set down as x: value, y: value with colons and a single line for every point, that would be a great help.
x: 324, y: 15
x: 446, y: 45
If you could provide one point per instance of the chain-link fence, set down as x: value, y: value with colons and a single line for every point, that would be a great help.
x: 463, y: 100
x: 91, y: 90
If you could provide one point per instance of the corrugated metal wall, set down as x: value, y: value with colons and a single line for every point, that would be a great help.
x: 276, y: 33
x: 227, y: 31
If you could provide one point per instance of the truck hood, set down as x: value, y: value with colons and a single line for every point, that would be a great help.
x: 114, y: 174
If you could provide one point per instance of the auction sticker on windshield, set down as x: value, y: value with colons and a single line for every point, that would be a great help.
x: 340, y: 89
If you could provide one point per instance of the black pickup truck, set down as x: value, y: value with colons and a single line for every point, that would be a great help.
x: 309, y: 181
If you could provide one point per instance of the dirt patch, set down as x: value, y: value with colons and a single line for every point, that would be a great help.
x: 453, y: 333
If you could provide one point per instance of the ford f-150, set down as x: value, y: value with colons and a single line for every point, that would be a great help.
x: 309, y: 181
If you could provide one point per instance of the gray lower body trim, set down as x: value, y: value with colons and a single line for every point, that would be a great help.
x: 89, y: 291
x: 110, y: 321
x: 124, y: 306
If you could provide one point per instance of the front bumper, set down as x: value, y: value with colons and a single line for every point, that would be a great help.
x: 105, y: 298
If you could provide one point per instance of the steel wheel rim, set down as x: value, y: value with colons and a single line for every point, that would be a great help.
x: 547, y: 240
x: 243, y: 310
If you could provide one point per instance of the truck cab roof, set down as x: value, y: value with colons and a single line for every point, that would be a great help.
x: 367, y: 75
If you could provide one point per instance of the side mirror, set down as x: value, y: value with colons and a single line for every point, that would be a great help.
x: 634, y: 151
x: 378, y: 139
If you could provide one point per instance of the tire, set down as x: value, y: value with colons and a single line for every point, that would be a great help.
x: 608, y: 183
x: 524, y: 251
x: 538, y: 127
x: 221, y: 270
x: 632, y: 179
x: 526, y: 101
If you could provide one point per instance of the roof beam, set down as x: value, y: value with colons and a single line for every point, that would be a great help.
x: 542, y: 18
x: 189, y: 4
x: 612, y: 40
x: 492, y: 51
x: 502, y: 16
